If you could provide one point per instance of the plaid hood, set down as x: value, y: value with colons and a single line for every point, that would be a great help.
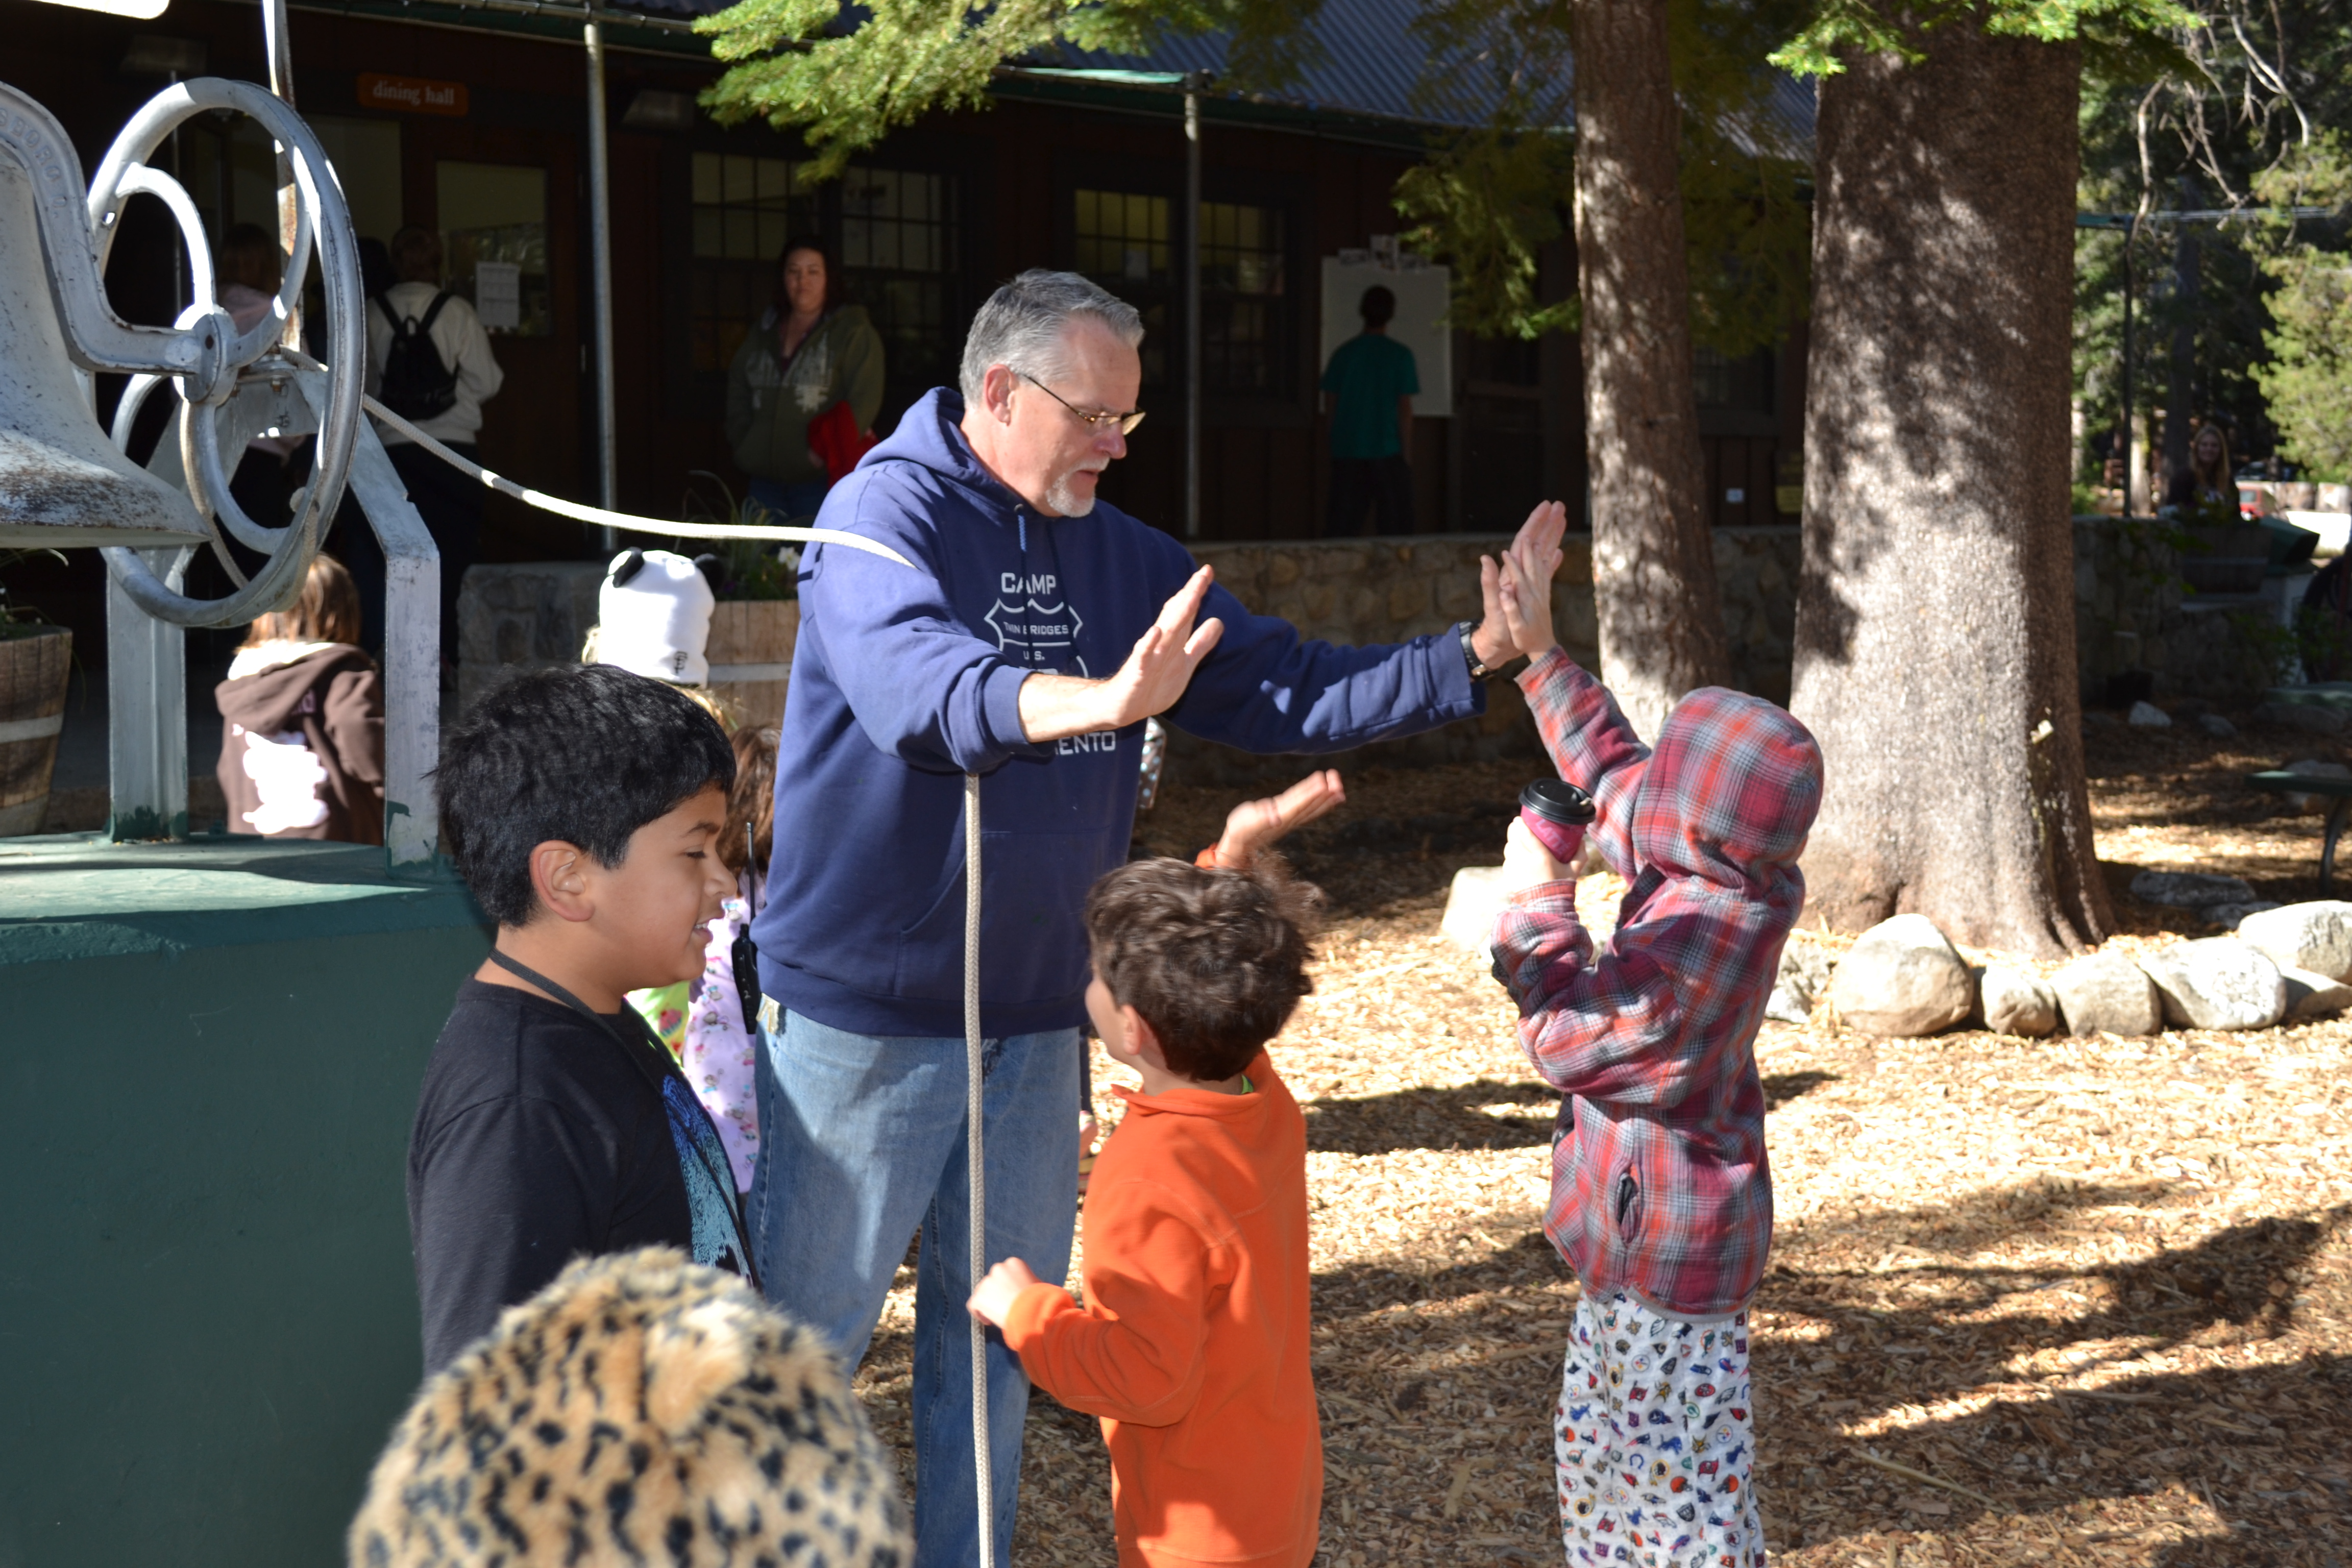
x: 1729, y: 794
x: 1660, y: 1184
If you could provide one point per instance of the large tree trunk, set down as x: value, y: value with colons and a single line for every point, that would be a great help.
x: 1935, y: 646
x: 1653, y: 559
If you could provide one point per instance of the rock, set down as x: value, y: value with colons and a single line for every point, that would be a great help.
x: 2148, y: 716
x: 2190, y: 889
x: 2227, y: 916
x: 2313, y: 804
x: 2219, y: 983
x: 1904, y: 979
x: 2316, y: 936
x: 2310, y: 995
x: 1804, y: 974
x: 2106, y: 992
x: 2016, y: 1002
x: 2307, y: 717
x: 1471, y: 905
x: 2213, y: 725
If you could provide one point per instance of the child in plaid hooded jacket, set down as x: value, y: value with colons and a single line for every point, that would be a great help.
x: 1660, y: 1198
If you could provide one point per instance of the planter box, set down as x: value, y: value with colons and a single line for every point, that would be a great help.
x: 33, y: 675
x: 751, y: 655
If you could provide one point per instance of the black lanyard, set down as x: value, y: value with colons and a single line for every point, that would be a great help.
x: 637, y: 1050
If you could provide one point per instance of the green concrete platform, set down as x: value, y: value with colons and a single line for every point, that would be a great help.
x: 207, y: 1311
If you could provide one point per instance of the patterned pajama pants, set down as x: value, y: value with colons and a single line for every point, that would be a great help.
x: 1654, y: 1440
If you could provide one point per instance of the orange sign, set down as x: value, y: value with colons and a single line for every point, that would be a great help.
x: 414, y: 94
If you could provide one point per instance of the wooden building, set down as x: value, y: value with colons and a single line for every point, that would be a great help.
x: 471, y: 116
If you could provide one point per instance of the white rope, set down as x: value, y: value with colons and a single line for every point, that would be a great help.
x: 600, y: 517
x: 976, y: 1166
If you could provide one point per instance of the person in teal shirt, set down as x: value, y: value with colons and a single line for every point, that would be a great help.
x: 1368, y: 391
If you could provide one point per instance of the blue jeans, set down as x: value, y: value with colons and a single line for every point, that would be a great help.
x: 789, y: 503
x: 861, y: 1139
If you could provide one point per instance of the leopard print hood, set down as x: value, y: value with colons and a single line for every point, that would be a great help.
x: 640, y: 1409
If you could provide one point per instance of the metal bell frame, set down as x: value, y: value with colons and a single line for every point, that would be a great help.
x: 235, y: 362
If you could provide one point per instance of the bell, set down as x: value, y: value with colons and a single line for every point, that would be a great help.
x: 62, y: 482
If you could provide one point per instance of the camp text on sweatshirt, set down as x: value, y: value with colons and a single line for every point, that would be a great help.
x: 905, y: 680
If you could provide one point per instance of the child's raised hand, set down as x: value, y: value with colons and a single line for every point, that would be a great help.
x: 1255, y: 824
x: 1526, y: 863
x: 992, y: 1302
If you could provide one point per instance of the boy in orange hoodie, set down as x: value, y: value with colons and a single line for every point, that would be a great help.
x: 1193, y: 1346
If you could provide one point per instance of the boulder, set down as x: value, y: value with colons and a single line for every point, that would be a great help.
x: 2017, y: 1002
x: 2219, y: 983
x: 2106, y: 992
x: 2309, y: 718
x: 2316, y: 936
x: 2213, y: 725
x: 1805, y: 970
x: 2310, y: 995
x: 2148, y: 716
x: 2313, y: 804
x: 2190, y: 889
x: 2229, y: 916
x: 1903, y: 978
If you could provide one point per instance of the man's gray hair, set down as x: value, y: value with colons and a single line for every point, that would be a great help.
x: 1022, y: 325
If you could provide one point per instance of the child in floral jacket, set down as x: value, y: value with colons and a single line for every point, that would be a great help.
x: 1660, y: 1198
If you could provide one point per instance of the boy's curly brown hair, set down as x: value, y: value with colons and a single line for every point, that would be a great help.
x: 1215, y: 961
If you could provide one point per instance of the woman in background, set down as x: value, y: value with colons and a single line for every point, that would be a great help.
x: 809, y: 353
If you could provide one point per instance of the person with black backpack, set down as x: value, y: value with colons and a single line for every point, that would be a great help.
x: 429, y: 361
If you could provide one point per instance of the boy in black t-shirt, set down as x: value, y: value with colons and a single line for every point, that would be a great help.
x: 582, y: 805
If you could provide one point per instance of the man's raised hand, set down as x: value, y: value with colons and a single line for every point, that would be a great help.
x: 1162, y: 661
x: 1516, y: 590
x: 1156, y: 673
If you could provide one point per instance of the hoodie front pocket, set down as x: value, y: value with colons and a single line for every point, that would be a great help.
x: 1629, y: 1207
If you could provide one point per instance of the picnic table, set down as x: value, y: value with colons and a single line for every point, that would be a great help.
x: 2278, y: 781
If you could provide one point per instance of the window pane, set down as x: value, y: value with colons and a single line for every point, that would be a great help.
x: 743, y: 234
x: 705, y: 179
x: 774, y: 180
x: 709, y: 238
x: 738, y: 182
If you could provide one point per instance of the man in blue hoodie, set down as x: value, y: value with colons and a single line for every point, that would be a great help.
x: 1036, y: 633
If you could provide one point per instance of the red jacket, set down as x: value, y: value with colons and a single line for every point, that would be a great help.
x: 1659, y: 1182
x: 1192, y: 1345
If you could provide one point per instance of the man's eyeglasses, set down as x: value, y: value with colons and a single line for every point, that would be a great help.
x: 1096, y: 423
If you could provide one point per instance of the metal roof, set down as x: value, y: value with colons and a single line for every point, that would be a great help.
x: 1369, y: 67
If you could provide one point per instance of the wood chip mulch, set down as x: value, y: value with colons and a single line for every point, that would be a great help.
x: 2064, y: 1302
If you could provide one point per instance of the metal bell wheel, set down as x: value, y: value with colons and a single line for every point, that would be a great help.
x: 232, y: 386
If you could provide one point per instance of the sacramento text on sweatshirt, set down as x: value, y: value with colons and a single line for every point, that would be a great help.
x: 904, y: 679
x: 1193, y: 1344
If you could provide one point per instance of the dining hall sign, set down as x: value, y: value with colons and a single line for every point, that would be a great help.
x: 413, y: 95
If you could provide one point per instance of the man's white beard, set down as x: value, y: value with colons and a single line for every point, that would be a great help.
x: 1064, y: 500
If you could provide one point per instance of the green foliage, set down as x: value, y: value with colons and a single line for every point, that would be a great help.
x: 2121, y: 33
x: 2308, y: 379
x: 1488, y: 199
x: 795, y: 69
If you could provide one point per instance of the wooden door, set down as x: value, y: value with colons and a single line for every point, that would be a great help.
x: 476, y: 183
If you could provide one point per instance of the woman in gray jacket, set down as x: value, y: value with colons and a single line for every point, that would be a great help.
x: 807, y: 352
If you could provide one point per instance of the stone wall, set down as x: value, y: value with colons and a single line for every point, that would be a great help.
x: 2133, y: 612
x: 512, y: 618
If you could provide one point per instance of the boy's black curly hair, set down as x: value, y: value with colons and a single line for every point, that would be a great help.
x: 586, y: 755
x: 1214, y: 960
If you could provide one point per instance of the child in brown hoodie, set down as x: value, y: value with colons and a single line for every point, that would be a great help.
x: 1192, y: 1345
x: 302, y: 720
